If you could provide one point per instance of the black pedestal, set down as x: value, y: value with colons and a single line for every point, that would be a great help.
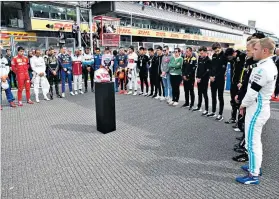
x: 105, y: 107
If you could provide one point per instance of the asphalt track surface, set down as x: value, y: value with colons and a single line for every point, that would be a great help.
x: 53, y: 150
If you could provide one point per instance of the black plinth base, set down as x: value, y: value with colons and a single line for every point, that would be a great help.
x: 105, y: 107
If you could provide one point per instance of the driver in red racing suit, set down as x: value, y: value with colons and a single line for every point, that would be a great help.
x: 20, y: 68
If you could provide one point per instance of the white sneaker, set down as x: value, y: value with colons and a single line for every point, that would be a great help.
x: 162, y: 98
x: 157, y: 97
x: 37, y: 100
x: 81, y: 92
x: 72, y: 93
x: 63, y: 94
x: 140, y: 93
x: 175, y: 103
x: 46, y: 98
x: 76, y: 92
x: 135, y: 93
x: 129, y: 93
x: 171, y: 102
x: 237, y: 129
x: 145, y: 94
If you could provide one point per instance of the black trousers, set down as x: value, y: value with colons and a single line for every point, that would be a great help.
x: 124, y: 81
x: 53, y: 79
x: 189, y: 89
x: 85, y: 73
x: 234, y: 91
x: 159, y: 86
x: 202, y: 92
x: 12, y: 75
x: 218, y: 86
x: 110, y: 74
x: 143, y: 79
x: 276, y: 93
x: 152, y: 79
x: 175, y: 84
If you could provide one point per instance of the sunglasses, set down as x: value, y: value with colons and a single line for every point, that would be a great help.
x: 164, y: 50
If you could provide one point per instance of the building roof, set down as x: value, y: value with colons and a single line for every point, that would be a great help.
x: 207, y: 13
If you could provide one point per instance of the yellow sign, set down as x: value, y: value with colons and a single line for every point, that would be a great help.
x: 18, y: 36
x: 170, y: 35
x: 41, y: 24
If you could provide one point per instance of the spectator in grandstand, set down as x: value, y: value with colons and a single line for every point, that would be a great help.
x: 61, y: 37
x: 109, y: 29
x: 75, y: 30
x: 85, y: 39
x: 175, y: 67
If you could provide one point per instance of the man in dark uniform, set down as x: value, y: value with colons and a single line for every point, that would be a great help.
x: 237, y: 59
x: 188, y: 74
x: 52, y: 65
x: 152, y: 77
x: 204, y: 66
x: 217, y: 79
x: 143, y: 70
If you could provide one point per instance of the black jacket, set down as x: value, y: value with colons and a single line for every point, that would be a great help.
x: 52, y: 64
x: 189, y: 67
x: 142, y: 63
x: 244, y: 77
x: 219, y: 66
x: 152, y: 62
x: 236, y: 67
x: 157, y: 65
x: 204, y: 67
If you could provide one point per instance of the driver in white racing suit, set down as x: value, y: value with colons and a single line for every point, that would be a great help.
x: 39, y: 68
x: 257, y: 104
x: 132, y: 74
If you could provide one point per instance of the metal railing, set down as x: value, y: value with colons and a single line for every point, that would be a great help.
x: 32, y: 42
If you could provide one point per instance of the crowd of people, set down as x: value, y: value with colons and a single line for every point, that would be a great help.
x: 253, y: 81
x: 190, y: 13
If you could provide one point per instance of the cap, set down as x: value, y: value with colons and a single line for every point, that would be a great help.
x: 106, y: 48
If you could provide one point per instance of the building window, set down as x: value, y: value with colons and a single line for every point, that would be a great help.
x: 11, y: 14
x: 84, y: 15
x: 40, y: 10
x: 71, y: 14
x: 57, y: 13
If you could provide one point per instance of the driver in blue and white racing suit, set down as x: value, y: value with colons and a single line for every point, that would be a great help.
x: 257, y: 104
